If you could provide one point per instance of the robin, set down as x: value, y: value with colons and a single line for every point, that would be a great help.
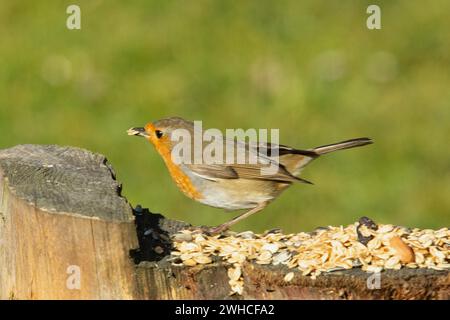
x: 235, y: 186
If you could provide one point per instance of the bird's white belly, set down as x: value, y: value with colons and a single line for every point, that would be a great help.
x: 225, y: 194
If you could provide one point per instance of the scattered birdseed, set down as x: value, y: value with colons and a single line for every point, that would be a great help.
x: 363, y: 229
x: 371, y: 247
x: 289, y: 276
x: 403, y: 251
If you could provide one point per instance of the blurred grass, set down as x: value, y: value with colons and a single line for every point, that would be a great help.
x: 312, y: 69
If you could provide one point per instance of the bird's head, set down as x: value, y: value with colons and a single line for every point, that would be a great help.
x: 160, y: 133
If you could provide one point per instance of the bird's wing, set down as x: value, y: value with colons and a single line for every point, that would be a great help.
x: 242, y: 171
x: 213, y: 171
x: 294, y: 160
x: 247, y: 170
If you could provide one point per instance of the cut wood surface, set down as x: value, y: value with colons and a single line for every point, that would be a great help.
x: 63, y: 219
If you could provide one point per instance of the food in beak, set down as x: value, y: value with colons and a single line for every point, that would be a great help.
x: 136, y: 132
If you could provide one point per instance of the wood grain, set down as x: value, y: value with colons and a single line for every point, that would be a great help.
x: 61, y: 207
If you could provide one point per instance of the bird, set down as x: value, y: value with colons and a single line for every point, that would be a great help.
x: 233, y: 185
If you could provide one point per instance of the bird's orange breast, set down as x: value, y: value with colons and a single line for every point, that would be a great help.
x: 181, y: 179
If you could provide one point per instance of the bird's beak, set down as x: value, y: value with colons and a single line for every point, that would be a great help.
x: 137, y: 132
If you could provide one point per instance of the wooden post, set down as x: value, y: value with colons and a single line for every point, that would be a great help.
x: 67, y: 233
x: 62, y: 216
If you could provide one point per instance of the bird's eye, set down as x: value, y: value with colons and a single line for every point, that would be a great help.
x: 158, y: 133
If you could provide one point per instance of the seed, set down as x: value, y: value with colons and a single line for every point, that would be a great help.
x: 373, y: 244
x: 436, y: 253
x: 426, y: 240
x: 304, y: 264
x: 180, y: 237
x: 391, y: 262
x: 189, y: 246
x: 288, y: 277
x: 199, y: 238
x: 281, y: 257
x: 237, y: 288
x: 419, y: 257
x: 385, y: 228
x: 402, y: 250
x: 185, y: 256
x: 307, y: 271
x: 234, y: 273
x: 374, y: 269
x: 271, y: 247
x: 202, y: 259
x: 246, y: 235
x: 237, y: 257
x: 265, y: 255
x: 189, y: 262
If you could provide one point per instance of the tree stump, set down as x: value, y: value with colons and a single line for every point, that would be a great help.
x: 67, y: 233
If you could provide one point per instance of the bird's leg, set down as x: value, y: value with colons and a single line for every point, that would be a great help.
x: 226, y: 225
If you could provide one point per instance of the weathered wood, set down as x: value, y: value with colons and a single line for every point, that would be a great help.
x: 61, y: 207
x: 263, y: 282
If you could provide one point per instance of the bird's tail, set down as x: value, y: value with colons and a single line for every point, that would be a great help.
x: 342, y: 145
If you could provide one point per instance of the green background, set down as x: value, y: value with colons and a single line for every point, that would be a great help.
x: 310, y: 68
